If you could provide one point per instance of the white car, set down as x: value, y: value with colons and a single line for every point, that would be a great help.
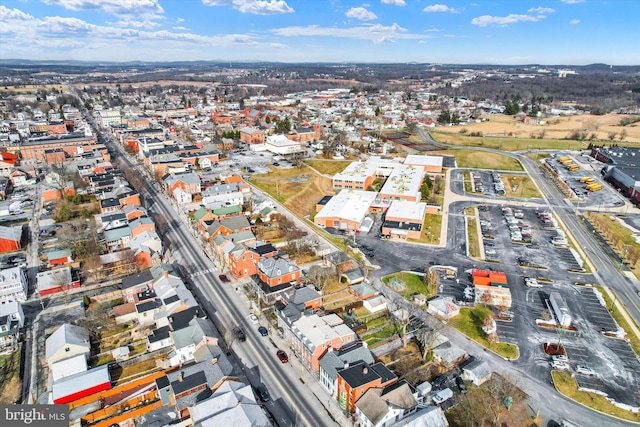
x: 253, y: 318
x: 561, y: 366
x: 559, y: 358
x: 585, y: 370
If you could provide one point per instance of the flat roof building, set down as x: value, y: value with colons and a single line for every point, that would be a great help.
x: 403, y: 184
x: 346, y: 211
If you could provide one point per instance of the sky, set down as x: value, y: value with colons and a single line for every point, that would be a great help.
x: 560, y: 32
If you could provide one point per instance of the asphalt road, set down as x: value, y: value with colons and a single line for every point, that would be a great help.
x: 291, y: 403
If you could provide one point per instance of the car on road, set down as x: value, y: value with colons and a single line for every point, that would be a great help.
x: 239, y: 333
x: 263, y: 393
x: 223, y: 278
x: 282, y: 356
x: 263, y: 331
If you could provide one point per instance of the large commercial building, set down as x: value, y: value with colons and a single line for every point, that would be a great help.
x: 404, y: 219
x: 346, y: 210
x: 403, y: 184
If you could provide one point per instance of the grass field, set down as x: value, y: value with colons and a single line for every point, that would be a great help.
x: 567, y: 385
x: 431, y: 229
x: 472, y: 232
x: 482, y: 160
x: 518, y: 136
x: 23, y: 89
x: 470, y: 322
x: 414, y: 284
x: 525, y: 189
x: 634, y: 340
x: 298, y: 189
x: 329, y: 167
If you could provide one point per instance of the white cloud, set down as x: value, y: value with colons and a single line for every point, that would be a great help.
x: 255, y: 7
x: 572, y: 1
x: 138, y: 8
x: 361, y: 13
x: 137, y: 24
x: 376, y: 33
x: 439, y: 8
x: 179, y: 20
x: 395, y: 2
x: 574, y: 22
x: 502, y: 21
x: 541, y: 10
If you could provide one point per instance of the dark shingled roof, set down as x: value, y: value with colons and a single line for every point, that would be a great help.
x: 189, y: 382
x: 137, y: 279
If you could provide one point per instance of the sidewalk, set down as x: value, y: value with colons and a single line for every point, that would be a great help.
x: 309, y: 379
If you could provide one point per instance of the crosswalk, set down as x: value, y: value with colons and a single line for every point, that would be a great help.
x: 202, y: 272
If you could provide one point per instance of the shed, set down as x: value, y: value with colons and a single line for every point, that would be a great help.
x: 120, y: 353
x: 477, y: 371
x: 81, y: 384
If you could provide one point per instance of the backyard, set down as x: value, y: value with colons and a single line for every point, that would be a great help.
x: 10, y: 382
x: 328, y: 167
x: 470, y: 322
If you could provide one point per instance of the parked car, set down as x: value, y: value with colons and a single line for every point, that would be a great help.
x: 263, y: 393
x: 561, y: 366
x: 253, y: 318
x: 438, y: 382
x: 461, y: 385
x: 559, y: 358
x: 282, y: 356
x: 263, y: 331
x: 584, y: 370
x: 239, y: 333
x: 223, y: 278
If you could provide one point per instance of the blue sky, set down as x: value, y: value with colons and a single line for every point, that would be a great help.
x: 573, y: 32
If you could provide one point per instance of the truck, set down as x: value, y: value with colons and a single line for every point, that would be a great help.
x: 587, y: 180
x: 564, y: 158
x: 594, y: 187
x: 573, y: 167
x: 566, y: 162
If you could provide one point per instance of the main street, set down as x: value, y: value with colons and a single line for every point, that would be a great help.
x: 291, y: 404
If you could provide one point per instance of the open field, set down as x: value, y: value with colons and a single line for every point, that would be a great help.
x: 555, y: 130
x: 567, y: 386
x: 481, y: 160
x: 328, y: 167
x: 298, y: 189
x: 525, y: 189
x: 431, y: 229
x: 23, y: 89
x: 470, y: 322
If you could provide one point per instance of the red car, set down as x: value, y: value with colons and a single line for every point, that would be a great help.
x: 223, y: 278
x: 282, y: 356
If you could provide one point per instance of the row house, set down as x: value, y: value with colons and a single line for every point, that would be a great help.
x: 13, y: 285
x: 311, y: 337
x: 188, y: 182
x: 35, y: 149
x: 243, y: 261
x: 354, y: 381
x: 228, y: 226
x: 275, y: 271
x: 162, y: 164
x: 11, y: 321
x: 250, y: 135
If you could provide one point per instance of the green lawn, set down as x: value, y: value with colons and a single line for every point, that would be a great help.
x: 431, y: 229
x: 414, y: 284
x: 380, y: 336
x: 468, y: 188
x: 525, y: 189
x: 470, y: 322
x: 472, y: 232
x: 567, y: 386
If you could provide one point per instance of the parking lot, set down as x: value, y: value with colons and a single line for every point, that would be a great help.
x: 587, y: 168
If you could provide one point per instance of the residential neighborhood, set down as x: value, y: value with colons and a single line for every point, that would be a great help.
x: 322, y: 257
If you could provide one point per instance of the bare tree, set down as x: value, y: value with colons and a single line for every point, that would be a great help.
x: 427, y: 337
x: 320, y: 276
x: 403, y: 313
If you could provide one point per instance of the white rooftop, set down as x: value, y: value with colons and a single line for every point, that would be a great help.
x: 316, y: 330
x: 351, y: 205
x: 357, y: 171
x: 403, y: 181
x: 418, y: 160
x: 411, y: 211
